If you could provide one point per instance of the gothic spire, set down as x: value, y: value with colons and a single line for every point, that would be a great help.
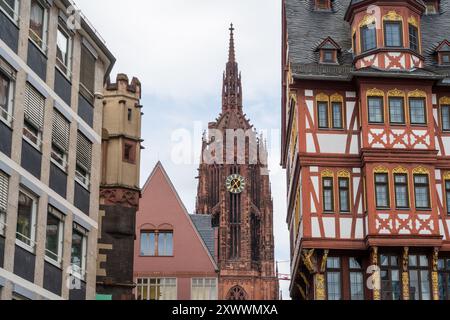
x: 232, y: 89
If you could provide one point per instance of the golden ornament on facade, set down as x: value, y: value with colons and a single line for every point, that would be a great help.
x: 400, y: 170
x: 393, y: 16
x: 417, y: 94
x: 381, y: 169
x: 327, y: 174
x: 344, y: 174
x: 444, y: 101
x: 405, y: 285
x: 337, y: 98
x: 322, y: 97
x: 367, y: 20
x: 413, y: 21
x: 446, y: 175
x: 421, y: 170
x: 320, y: 286
x: 323, y: 266
x: 396, y: 93
x: 375, y: 93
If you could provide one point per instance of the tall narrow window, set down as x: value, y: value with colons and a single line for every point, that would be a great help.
x: 26, y: 219
x: 11, y: 8
x: 38, y: 24
x: 148, y: 244
x: 129, y: 152
x: 413, y: 38
x: 376, y: 112
x: 84, y: 160
x: 356, y: 279
x: 6, y: 98
x: 444, y: 278
x: 417, y: 111
x: 34, y: 116
x: 322, y: 110
x: 344, y: 195
x: 382, y: 190
x: 328, y: 199
x: 4, y: 189
x: 393, y: 34
x: 60, y: 140
x: 79, y: 251
x: 390, y: 277
x: 87, y: 73
x: 368, y: 37
x: 54, y: 236
x: 64, y: 51
x: 422, y: 191
x: 396, y: 111
x: 338, y: 122
x: 447, y: 195
x: 445, y: 117
x: 165, y: 244
x: 401, y: 191
x: 419, y: 278
x: 334, y: 278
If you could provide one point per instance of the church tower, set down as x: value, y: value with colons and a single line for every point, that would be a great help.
x: 234, y: 188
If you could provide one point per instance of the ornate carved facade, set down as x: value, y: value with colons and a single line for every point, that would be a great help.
x: 366, y: 120
x: 235, y: 191
x: 119, y: 190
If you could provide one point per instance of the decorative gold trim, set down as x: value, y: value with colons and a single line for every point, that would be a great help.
x: 327, y: 174
x: 323, y: 266
x: 319, y: 285
x: 434, y: 274
x: 322, y: 97
x: 305, y: 280
x: 421, y: 170
x: 444, y: 100
x: 302, y: 292
x: 405, y: 275
x: 413, y: 21
x: 396, y: 93
x: 337, y: 98
x: 400, y: 170
x: 375, y: 93
x: 417, y: 94
x: 344, y: 174
x: 446, y: 175
x: 307, y: 260
x: 381, y: 169
x: 376, y: 289
x: 368, y: 19
x: 392, y: 16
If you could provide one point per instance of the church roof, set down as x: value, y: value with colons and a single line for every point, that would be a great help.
x: 307, y: 29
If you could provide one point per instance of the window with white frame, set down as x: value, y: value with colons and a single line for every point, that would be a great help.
x: 79, y: 251
x: 156, y: 289
x: 6, y: 93
x: 54, y: 236
x: 34, y: 116
x: 26, y: 219
x: 39, y: 24
x: 11, y: 8
x: 60, y: 140
x: 204, y: 289
x: 4, y: 189
x: 64, y: 50
x: 84, y: 160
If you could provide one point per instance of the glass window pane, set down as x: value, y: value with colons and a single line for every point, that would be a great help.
x: 393, y: 34
x: 52, y: 243
x: 396, y: 111
x: 25, y: 219
x: 356, y: 286
x: 368, y: 35
x: 337, y: 116
x: 334, y: 285
x: 417, y: 111
x: 323, y: 114
x: 37, y: 23
x: 375, y: 110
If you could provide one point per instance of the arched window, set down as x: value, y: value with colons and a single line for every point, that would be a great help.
x: 237, y: 293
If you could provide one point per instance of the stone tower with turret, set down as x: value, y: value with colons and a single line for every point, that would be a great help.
x: 120, y: 188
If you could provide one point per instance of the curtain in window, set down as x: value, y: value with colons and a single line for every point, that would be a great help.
x: 37, y: 20
x: 4, y: 92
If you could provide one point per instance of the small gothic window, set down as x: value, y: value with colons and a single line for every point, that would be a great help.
x: 237, y: 294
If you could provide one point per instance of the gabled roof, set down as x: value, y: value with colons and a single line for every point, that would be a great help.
x: 160, y: 168
x: 328, y: 43
x: 444, y: 46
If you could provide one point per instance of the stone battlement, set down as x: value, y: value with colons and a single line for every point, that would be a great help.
x: 123, y: 86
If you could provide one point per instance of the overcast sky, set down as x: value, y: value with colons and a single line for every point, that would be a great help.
x: 178, y: 49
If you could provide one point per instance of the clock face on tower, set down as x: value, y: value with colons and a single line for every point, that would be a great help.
x: 235, y: 184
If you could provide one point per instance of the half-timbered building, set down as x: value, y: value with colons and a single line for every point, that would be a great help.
x: 366, y: 143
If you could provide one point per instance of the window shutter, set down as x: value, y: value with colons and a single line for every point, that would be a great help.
x: 61, y: 129
x: 34, y: 107
x: 4, y: 182
x: 84, y: 152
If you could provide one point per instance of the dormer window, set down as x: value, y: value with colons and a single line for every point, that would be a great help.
x: 432, y: 7
x: 323, y: 4
x: 443, y: 51
x: 328, y: 51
